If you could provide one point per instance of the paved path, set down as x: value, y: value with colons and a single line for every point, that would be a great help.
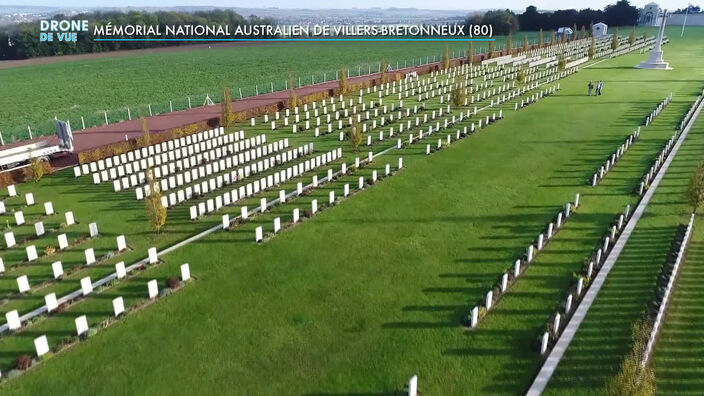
x: 558, y: 351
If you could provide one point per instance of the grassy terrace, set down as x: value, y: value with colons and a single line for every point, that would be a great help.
x: 362, y: 296
x: 677, y: 357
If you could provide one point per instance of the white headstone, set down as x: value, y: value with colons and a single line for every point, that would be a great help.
x: 48, y: 208
x: 120, y: 270
x: 31, y: 252
x: 13, y: 320
x: 11, y: 190
x: 29, y: 197
x: 86, y: 286
x: 19, y: 218
x: 90, y: 256
x: 63, y: 241
x: 152, y: 255
x: 81, y: 324
x: 118, y: 306
x: 10, y: 239
x: 41, y: 345
x: 152, y: 288
x: 413, y: 386
x: 185, y: 272
x: 258, y: 234
x: 69, y: 219
x: 57, y: 268
x: 50, y: 301
x: 93, y: 229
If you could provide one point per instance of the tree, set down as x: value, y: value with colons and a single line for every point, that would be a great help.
x: 446, y: 58
x: 146, y: 138
x: 621, y: 14
x: 632, y: 37
x: 525, y: 43
x: 574, y: 31
x: 552, y: 37
x: 592, y: 49
x: 509, y: 44
x: 470, y: 53
x: 491, y: 50
x: 540, y: 38
x: 584, y: 33
x: 227, y: 112
x: 292, y: 98
x: 614, y: 40
x: 383, y: 66
x: 458, y: 95
x: 355, y: 135
x: 633, y: 378
x: 521, y: 75
x: 343, y: 80
x: 155, y: 210
x: 37, y: 169
x: 561, y: 62
x: 695, y: 193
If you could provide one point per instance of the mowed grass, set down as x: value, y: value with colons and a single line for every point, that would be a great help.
x: 678, y: 351
x: 370, y: 292
x: 604, y: 338
x: 34, y: 95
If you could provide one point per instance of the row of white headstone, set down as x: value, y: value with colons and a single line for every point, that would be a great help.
x: 87, y: 286
x: 692, y: 109
x: 19, y: 215
x: 659, y: 161
x: 41, y: 344
x: 259, y: 233
x: 263, y: 184
x: 133, y: 175
x: 576, y: 291
x: 38, y: 227
x: 521, y: 263
x: 611, y: 161
x: 57, y: 267
x: 249, y: 189
x: 220, y: 168
x: 660, y: 107
x: 152, y: 151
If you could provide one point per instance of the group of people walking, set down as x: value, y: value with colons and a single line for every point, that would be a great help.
x: 590, y: 88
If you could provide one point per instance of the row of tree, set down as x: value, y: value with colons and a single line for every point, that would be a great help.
x: 506, y: 21
x: 21, y: 41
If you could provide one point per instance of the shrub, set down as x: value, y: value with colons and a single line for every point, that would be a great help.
x: 49, y: 250
x: 23, y: 362
x: 633, y: 378
x: 343, y: 80
x: 36, y: 169
x: 695, y: 192
x: 308, y: 213
x: 172, y: 282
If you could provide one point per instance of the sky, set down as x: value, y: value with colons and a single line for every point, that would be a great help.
x: 424, y: 4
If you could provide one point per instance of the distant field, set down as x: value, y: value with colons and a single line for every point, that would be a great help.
x: 34, y: 95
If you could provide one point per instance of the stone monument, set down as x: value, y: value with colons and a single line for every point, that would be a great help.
x: 655, y: 60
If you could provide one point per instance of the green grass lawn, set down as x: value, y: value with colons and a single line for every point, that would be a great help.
x: 604, y: 337
x: 677, y: 355
x: 370, y: 292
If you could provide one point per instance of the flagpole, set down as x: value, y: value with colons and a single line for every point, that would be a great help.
x: 685, y: 20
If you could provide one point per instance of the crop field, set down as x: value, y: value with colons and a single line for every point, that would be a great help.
x: 373, y: 289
